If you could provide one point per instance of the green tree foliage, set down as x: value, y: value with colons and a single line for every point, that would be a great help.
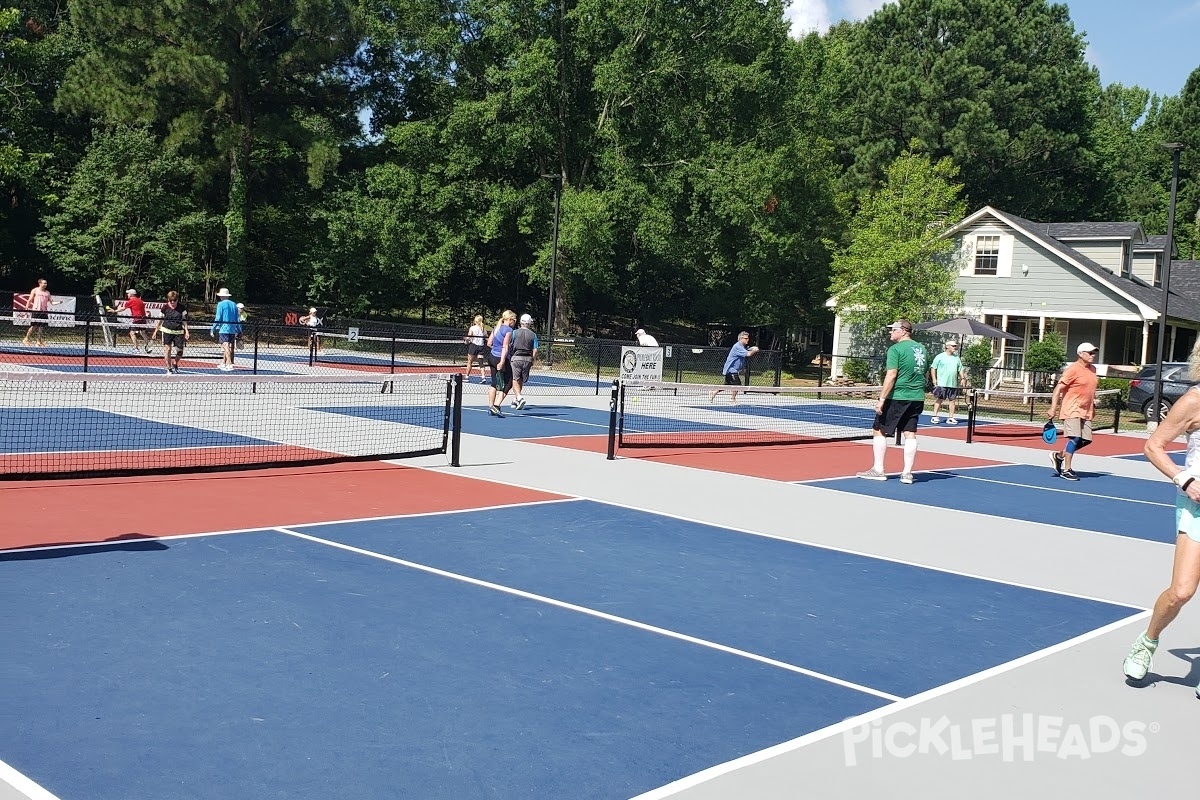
x: 999, y: 86
x: 37, y: 146
x: 1044, y: 358
x: 218, y: 79
x: 977, y: 359
x: 897, y: 263
x: 685, y: 189
x: 125, y: 207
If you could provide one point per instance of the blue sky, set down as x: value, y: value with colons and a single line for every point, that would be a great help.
x: 1151, y: 43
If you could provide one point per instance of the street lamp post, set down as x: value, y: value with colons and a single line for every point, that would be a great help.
x: 1175, y: 148
x: 558, y: 182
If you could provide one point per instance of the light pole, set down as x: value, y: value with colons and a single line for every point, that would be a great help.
x: 1175, y: 148
x: 558, y: 182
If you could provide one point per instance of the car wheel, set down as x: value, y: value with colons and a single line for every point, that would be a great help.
x: 1164, y: 406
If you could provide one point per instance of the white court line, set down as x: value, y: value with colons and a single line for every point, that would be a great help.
x: 118, y: 543
x: 1050, y: 489
x: 706, y: 775
x: 594, y: 613
x: 27, y: 787
x: 835, y: 549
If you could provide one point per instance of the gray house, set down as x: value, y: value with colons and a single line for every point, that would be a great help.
x: 1097, y: 282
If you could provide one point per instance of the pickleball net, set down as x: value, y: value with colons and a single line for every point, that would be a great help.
x: 704, y: 415
x: 56, y: 425
x: 1008, y: 414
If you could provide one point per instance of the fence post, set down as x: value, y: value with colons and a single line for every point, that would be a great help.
x: 393, y: 358
x: 779, y: 369
x: 598, y: 357
x: 87, y: 340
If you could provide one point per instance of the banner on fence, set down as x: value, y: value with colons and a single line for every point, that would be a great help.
x: 641, y: 363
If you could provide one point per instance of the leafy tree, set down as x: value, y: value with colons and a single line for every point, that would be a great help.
x: 122, y: 210
x: 219, y: 79
x: 1044, y: 358
x: 897, y: 263
x: 999, y: 86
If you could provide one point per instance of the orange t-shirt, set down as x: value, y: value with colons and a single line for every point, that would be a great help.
x: 1079, y: 396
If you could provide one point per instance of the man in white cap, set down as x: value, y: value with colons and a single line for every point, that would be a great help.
x: 1077, y: 391
x: 137, y: 318
x: 644, y: 339
x: 226, y: 327
x: 524, y: 351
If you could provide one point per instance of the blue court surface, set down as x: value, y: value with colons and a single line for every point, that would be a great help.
x: 1141, y: 509
x: 559, y: 650
x: 71, y: 430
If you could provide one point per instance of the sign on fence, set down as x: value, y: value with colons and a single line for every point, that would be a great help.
x: 641, y: 363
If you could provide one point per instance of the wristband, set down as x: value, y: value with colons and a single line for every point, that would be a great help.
x: 1187, y: 483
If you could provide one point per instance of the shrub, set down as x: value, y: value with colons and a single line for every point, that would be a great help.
x: 857, y: 370
x: 976, y: 360
x: 1116, y: 400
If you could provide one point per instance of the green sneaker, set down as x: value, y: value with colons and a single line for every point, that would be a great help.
x: 1137, y: 663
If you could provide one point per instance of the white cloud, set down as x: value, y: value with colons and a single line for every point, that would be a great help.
x: 861, y: 9
x: 807, y: 16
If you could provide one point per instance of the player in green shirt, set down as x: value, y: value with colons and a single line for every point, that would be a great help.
x: 901, y: 401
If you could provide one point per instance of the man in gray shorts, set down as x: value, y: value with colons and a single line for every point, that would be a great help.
x: 524, y: 351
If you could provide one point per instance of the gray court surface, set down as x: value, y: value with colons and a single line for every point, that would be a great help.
x: 1058, y: 723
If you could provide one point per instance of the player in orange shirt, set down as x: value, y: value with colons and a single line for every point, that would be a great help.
x: 1077, y: 391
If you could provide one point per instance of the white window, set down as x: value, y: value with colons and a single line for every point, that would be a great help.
x: 987, y: 255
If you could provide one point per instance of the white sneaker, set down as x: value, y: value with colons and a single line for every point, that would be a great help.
x: 951, y: 421
x: 906, y: 477
x: 873, y: 475
x: 1137, y: 663
x: 934, y: 420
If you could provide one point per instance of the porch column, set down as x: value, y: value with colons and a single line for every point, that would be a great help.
x: 1170, y: 354
x: 1103, y: 335
x: 1041, y: 328
x: 1145, y: 341
x: 834, y: 361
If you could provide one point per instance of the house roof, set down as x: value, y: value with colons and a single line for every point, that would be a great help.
x: 1094, y: 230
x: 1185, y: 278
x: 1149, y: 298
x: 1152, y: 243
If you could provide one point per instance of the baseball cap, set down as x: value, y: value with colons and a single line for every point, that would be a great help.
x: 241, y: 305
x: 526, y: 319
x: 902, y: 324
x: 131, y: 291
x: 1087, y: 347
x: 639, y: 332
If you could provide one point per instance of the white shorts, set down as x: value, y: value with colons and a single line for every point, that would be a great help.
x: 1187, y: 516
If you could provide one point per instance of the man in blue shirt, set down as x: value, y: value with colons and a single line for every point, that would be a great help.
x: 735, y: 363
x: 226, y: 327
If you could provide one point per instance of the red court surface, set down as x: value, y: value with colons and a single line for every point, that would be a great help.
x: 1103, y: 444
x: 805, y: 462
x: 79, y: 511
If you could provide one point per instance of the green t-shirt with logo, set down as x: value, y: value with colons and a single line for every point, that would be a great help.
x: 911, y: 362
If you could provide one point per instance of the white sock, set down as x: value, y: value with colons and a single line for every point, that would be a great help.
x: 879, y: 447
x: 910, y: 453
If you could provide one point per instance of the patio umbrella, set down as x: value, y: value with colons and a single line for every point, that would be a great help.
x: 966, y: 326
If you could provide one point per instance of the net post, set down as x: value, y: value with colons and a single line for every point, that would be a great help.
x: 312, y: 348
x: 456, y: 421
x: 254, y: 363
x: 393, y: 355
x: 972, y: 396
x: 779, y: 370
x: 612, y: 421
x: 1117, y: 417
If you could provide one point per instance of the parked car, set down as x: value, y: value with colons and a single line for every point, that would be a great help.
x: 1175, y: 383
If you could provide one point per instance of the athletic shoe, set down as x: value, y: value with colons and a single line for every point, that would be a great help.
x: 1137, y: 663
x: 951, y: 421
x: 1069, y: 474
x: 495, y: 411
x: 873, y: 475
x: 148, y: 346
x: 1056, y: 459
x: 906, y: 477
x: 934, y: 420
x: 521, y: 403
